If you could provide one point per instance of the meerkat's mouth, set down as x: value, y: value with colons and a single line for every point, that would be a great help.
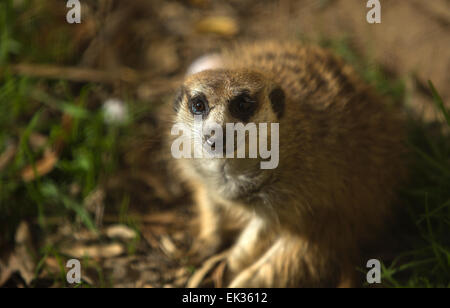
x: 211, y: 147
x: 211, y: 143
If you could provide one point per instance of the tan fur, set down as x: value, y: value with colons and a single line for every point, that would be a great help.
x: 341, y: 159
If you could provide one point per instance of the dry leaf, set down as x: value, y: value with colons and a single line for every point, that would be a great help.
x: 120, y: 232
x: 167, y: 246
x: 221, y: 25
x: 182, y: 272
x: 43, y: 167
x: 95, y: 251
x: 21, y: 260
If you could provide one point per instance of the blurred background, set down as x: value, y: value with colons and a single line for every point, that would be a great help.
x: 81, y: 170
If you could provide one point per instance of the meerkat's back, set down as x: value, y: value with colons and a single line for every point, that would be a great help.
x: 333, y: 123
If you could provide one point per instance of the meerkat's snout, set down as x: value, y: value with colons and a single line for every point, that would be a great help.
x: 213, y: 131
x: 215, y: 140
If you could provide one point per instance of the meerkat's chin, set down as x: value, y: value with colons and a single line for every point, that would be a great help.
x: 209, y: 151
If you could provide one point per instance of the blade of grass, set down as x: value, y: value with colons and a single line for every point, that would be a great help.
x: 439, y: 102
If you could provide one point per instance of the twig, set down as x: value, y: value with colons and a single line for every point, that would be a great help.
x: 127, y: 75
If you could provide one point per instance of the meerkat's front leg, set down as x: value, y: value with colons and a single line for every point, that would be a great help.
x: 251, y: 244
x: 210, y: 236
x: 290, y: 262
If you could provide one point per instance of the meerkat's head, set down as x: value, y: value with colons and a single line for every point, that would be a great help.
x: 228, y: 96
x: 220, y: 97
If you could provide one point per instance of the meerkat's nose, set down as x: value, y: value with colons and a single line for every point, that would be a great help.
x: 212, y: 140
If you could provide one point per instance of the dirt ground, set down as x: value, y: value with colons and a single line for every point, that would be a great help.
x: 144, y: 47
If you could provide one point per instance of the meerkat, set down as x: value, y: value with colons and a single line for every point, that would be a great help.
x: 341, y: 152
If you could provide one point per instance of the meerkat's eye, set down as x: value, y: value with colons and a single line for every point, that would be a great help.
x: 199, y: 105
x: 242, y: 107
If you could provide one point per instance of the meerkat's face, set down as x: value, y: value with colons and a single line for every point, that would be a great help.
x: 219, y: 97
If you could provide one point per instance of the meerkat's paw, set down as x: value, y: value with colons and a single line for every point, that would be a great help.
x: 260, y: 274
x: 248, y: 279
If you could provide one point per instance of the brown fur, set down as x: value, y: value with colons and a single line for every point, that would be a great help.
x: 341, y: 159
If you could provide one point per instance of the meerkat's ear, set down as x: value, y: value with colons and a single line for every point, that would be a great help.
x: 277, y: 98
x: 178, y: 99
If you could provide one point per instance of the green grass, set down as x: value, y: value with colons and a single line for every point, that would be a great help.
x: 90, y: 152
x: 31, y: 106
x: 91, y: 147
x: 427, y: 261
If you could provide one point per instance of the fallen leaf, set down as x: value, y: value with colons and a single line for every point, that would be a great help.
x: 21, y: 260
x: 23, y: 234
x: 182, y: 272
x: 120, y: 232
x: 221, y: 25
x: 94, y: 251
x: 43, y: 167
x: 167, y: 246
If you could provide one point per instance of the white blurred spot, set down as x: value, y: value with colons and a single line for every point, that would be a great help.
x: 207, y: 62
x: 115, y: 111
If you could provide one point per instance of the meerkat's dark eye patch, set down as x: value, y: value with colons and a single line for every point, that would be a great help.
x: 198, y: 105
x: 242, y: 106
x: 277, y: 100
